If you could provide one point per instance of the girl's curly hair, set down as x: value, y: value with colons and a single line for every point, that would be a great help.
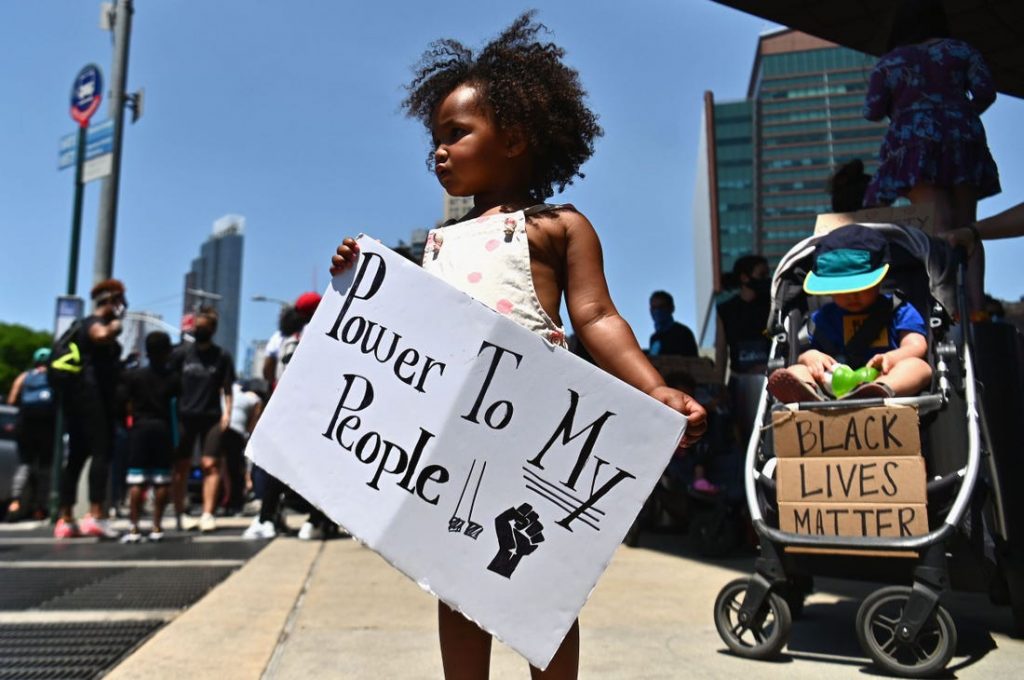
x: 525, y: 83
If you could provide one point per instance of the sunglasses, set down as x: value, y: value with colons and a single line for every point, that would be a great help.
x: 111, y: 299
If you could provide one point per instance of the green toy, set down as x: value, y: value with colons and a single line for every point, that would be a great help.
x: 842, y: 379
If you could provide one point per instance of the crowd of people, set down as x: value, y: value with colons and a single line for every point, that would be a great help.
x: 510, y: 124
x: 142, y: 422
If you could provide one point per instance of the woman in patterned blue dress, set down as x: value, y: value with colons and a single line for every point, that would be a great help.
x: 933, y: 89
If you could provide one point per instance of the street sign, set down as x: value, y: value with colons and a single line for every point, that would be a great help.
x: 86, y: 94
x: 97, y: 168
x: 69, y: 309
x: 99, y: 140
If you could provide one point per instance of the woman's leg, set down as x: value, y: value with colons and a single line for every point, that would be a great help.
x: 272, y: 490
x: 940, y: 198
x: 465, y: 647
x: 78, y: 453
x: 566, y: 662
x: 134, y: 504
x: 965, y: 212
x: 159, y: 503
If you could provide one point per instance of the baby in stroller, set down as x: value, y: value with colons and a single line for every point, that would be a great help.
x: 860, y: 327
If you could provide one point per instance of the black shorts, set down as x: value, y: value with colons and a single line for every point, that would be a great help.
x: 232, y: 443
x: 202, y: 429
x: 150, y: 452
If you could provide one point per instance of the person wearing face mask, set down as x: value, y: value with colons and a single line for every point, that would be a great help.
x: 89, y: 411
x: 670, y: 336
x: 742, y: 320
x: 204, y: 412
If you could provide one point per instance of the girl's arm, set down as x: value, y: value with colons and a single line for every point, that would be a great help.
x: 604, y: 333
x: 979, y: 82
x: 878, y: 99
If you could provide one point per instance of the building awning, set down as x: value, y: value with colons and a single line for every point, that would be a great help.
x: 995, y: 27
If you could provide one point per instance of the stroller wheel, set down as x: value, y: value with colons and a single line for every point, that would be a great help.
x: 925, y: 655
x: 761, y: 638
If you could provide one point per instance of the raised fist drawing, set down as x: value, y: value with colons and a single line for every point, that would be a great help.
x: 519, y: 533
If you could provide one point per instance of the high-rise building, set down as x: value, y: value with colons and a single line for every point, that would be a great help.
x: 413, y: 250
x: 215, y: 279
x: 765, y: 161
x: 456, y: 206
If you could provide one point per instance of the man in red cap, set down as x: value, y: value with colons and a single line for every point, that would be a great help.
x: 293, y: 321
x: 306, y: 305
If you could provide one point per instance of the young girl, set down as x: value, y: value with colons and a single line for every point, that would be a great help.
x: 508, y: 125
x: 935, y: 150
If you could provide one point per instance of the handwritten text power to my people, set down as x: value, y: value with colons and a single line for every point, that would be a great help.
x: 418, y: 370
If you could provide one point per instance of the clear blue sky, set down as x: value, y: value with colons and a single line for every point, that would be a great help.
x: 287, y: 113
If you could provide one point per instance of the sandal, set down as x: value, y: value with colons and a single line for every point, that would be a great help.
x: 789, y: 389
x: 871, y: 390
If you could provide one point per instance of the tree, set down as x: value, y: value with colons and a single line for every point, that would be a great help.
x: 17, y: 343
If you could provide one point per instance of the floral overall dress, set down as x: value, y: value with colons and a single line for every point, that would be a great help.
x: 488, y: 258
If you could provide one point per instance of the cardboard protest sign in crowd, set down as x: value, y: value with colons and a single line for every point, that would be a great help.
x: 496, y: 470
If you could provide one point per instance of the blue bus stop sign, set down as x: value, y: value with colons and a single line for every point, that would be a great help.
x: 86, y: 93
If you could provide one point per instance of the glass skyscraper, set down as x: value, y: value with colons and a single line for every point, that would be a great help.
x: 764, y: 162
x: 215, y: 279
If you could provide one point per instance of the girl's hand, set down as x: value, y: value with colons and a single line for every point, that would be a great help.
x: 817, y: 363
x: 345, y: 256
x: 696, y: 416
x: 882, y: 362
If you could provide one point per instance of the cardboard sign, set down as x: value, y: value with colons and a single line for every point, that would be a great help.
x: 897, y: 479
x: 856, y: 519
x: 496, y: 470
x: 921, y: 216
x: 880, y: 430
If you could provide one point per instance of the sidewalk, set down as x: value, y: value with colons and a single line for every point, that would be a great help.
x: 334, y: 609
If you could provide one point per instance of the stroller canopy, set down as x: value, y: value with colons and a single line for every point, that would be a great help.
x: 908, y: 245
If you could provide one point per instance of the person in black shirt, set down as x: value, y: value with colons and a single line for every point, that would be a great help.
x: 670, y: 336
x: 89, y: 411
x: 742, y: 321
x: 146, y: 396
x: 204, y: 410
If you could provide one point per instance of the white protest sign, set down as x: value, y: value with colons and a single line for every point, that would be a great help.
x: 497, y: 471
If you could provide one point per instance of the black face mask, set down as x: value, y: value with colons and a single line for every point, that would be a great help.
x: 202, y: 334
x: 759, y: 286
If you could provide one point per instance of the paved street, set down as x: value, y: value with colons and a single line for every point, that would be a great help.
x: 72, y: 609
x: 336, y: 610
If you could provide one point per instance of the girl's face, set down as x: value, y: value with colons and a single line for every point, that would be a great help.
x: 471, y: 153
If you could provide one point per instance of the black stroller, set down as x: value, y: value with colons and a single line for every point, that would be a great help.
x: 902, y: 627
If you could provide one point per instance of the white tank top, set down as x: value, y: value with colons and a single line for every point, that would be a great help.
x: 488, y: 258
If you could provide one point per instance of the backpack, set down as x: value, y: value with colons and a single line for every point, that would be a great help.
x: 65, y: 367
x: 36, y: 395
x: 284, y: 355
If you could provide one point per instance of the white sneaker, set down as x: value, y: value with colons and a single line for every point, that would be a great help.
x: 187, y: 523
x: 156, y: 536
x: 133, y: 536
x: 207, y: 524
x: 259, y: 530
x: 306, y: 531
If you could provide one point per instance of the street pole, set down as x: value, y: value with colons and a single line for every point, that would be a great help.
x: 76, y: 215
x: 86, y: 94
x: 105, y: 231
